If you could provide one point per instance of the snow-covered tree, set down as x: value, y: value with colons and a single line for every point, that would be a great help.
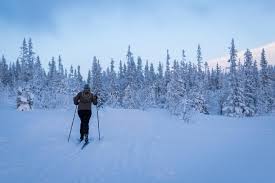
x: 24, y: 99
x: 197, y: 88
x: 217, y: 82
x: 96, y: 85
x: 89, y: 77
x: 4, y: 72
x: 139, y: 74
x: 148, y: 98
x: 266, y: 99
x: 24, y: 62
x: 177, y: 97
x: 113, y: 93
x: 243, y: 91
x: 129, y: 99
x: 131, y: 69
x: 96, y: 77
x: 160, y: 87
x: 167, y: 70
x: 38, y: 84
x: 250, y: 94
x: 30, y: 60
x: 199, y: 61
x: 235, y: 103
x: 122, y: 83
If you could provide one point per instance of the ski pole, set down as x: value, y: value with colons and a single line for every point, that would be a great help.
x: 98, y: 123
x: 72, y: 124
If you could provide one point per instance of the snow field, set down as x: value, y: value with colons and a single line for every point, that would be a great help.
x: 137, y: 146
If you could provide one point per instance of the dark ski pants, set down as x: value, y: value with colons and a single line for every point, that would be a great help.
x: 84, y: 116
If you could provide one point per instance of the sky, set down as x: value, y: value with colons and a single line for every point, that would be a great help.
x: 79, y: 30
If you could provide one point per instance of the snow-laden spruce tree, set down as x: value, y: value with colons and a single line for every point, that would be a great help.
x: 38, y: 84
x: 148, y: 93
x: 26, y: 59
x: 250, y: 90
x: 130, y: 97
x: 217, y: 93
x: 141, y: 87
x: 59, y: 86
x: 79, y: 78
x: 24, y: 99
x: 131, y: 77
x: 23, y: 59
x: 4, y: 72
x: 71, y: 82
x: 199, y: 62
x: 265, y: 96
x: 139, y: 79
x: 30, y: 60
x: 160, y: 87
x: 89, y: 77
x: 64, y: 93
x: 129, y: 100
x: 207, y: 78
x: 176, y: 97
x: 167, y: 73
x: 131, y: 69
x: 198, y: 90
x: 50, y: 95
x: 167, y: 78
x: 6, y: 81
x: 122, y: 83
x: 96, y: 82
x: 112, y: 88
x: 235, y: 103
x: 139, y: 74
x: 218, y: 80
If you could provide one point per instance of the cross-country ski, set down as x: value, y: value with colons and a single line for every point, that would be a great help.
x: 84, y: 145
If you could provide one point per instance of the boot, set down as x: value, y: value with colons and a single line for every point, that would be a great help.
x: 81, y: 137
x: 86, y: 138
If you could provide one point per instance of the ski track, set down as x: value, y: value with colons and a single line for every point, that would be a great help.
x: 136, y: 146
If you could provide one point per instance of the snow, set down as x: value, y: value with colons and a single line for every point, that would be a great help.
x: 24, y: 107
x: 137, y: 146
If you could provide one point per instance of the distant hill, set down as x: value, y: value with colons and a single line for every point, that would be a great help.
x: 270, y: 55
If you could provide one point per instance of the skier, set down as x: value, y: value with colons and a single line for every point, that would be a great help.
x: 84, y: 100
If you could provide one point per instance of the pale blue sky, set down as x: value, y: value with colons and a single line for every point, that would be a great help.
x: 78, y: 30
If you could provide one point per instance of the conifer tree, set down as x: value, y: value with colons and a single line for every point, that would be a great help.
x: 266, y: 99
x: 234, y: 104
x: 249, y: 85
x: 113, y: 93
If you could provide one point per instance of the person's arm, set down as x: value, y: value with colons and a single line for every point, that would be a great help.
x: 76, y: 99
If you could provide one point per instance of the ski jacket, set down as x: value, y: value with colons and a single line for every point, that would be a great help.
x: 84, y: 100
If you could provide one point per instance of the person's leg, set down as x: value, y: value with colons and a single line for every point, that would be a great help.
x: 86, y: 119
x: 82, y: 124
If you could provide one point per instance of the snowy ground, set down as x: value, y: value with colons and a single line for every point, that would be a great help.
x: 137, y: 147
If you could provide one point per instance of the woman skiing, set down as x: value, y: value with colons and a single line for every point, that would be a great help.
x: 84, y: 100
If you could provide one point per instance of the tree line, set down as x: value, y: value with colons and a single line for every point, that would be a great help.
x: 246, y: 88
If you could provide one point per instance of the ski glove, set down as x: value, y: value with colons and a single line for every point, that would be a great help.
x: 95, y: 99
x: 76, y: 103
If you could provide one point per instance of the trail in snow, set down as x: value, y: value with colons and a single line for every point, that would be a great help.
x: 138, y: 146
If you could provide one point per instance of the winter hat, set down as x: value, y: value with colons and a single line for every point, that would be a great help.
x: 86, y: 87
